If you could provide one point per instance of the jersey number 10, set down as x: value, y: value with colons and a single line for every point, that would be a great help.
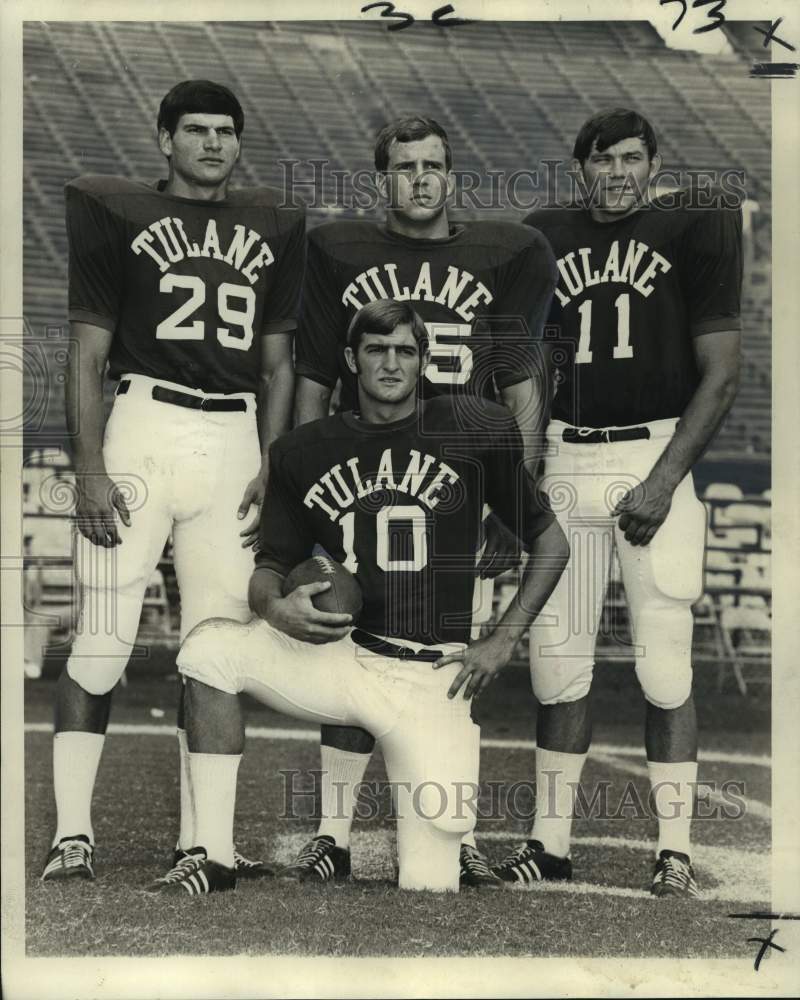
x: 387, y: 519
x: 623, y: 348
x: 174, y: 326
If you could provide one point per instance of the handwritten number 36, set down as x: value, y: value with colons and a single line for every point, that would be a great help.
x: 405, y: 20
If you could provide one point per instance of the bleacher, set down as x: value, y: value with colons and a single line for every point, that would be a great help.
x: 510, y: 94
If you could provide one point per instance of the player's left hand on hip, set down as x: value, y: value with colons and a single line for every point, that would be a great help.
x: 480, y: 665
x: 253, y: 496
x: 642, y: 511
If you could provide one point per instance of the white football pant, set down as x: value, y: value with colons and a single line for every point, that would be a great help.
x: 662, y: 579
x: 179, y: 469
x: 429, y: 743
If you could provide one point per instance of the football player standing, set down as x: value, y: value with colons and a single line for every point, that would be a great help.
x: 648, y: 297
x: 394, y: 492
x: 187, y: 291
x: 483, y: 289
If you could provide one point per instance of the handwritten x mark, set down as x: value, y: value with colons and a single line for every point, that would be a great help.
x: 770, y: 36
x: 765, y: 943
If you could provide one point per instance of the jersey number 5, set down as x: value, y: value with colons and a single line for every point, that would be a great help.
x: 623, y: 347
x: 388, y: 520
x: 451, y: 363
x: 174, y: 326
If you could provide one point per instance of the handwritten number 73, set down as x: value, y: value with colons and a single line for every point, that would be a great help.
x: 715, y: 12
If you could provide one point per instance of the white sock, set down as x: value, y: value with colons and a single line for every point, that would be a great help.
x: 673, y: 790
x: 187, y: 822
x: 214, y: 783
x: 342, y: 771
x: 557, y: 774
x: 76, y: 757
x: 468, y: 840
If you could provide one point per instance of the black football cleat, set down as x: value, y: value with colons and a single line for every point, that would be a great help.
x: 475, y: 872
x: 673, y: 875
x: 182, y: 861
x: 196, y: 875
x: 320, y: 860
x: 244, y: 867
x: 532, y: 863
x: 247, y: 868
x: 71, y: 858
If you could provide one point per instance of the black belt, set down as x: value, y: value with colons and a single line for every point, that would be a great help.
x: 164, y: 395
x: 587, y: 435
x: 383, y: 648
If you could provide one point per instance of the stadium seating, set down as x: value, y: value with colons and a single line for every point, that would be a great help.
x: 511, y: 94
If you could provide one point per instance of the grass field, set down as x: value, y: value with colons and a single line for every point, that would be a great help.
x: 605, y: 911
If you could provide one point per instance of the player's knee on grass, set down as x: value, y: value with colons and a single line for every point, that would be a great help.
x: 555, y: 680
x: 428, y: 855
x: 209, y: 654
x: 663, y: 636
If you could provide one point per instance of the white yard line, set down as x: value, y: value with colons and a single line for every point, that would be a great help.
x: 312, y: 736
x: 752, y: 806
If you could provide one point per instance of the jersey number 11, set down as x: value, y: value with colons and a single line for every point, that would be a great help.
x: 622, y: 349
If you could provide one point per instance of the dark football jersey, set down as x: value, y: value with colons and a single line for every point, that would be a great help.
x: 400, y: 506
x: 631, y: 296
x: 186, y: 287
x: 483, y: 292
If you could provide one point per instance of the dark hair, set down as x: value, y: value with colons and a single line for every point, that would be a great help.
x: 382, y: 317
x: 408, y: 128
x: 611, y: 126
x: 199, y: 97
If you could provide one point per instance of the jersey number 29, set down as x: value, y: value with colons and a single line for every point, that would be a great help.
x: 175, y: 327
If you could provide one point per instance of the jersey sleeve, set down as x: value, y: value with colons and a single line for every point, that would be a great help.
x: 322, y: 319
x: 511, y: 491
x: 712, y: 271
x: 96, y: 273
x: 282, y: 305
x: 525, y: 286
x: 284, y: 535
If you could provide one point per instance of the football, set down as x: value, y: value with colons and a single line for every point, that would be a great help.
x: 344, y: 595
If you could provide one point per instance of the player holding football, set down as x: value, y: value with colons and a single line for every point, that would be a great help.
x: 648, y: 296
x: 188, y: 291
x: 483, y: 290
x: 395, y: 493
